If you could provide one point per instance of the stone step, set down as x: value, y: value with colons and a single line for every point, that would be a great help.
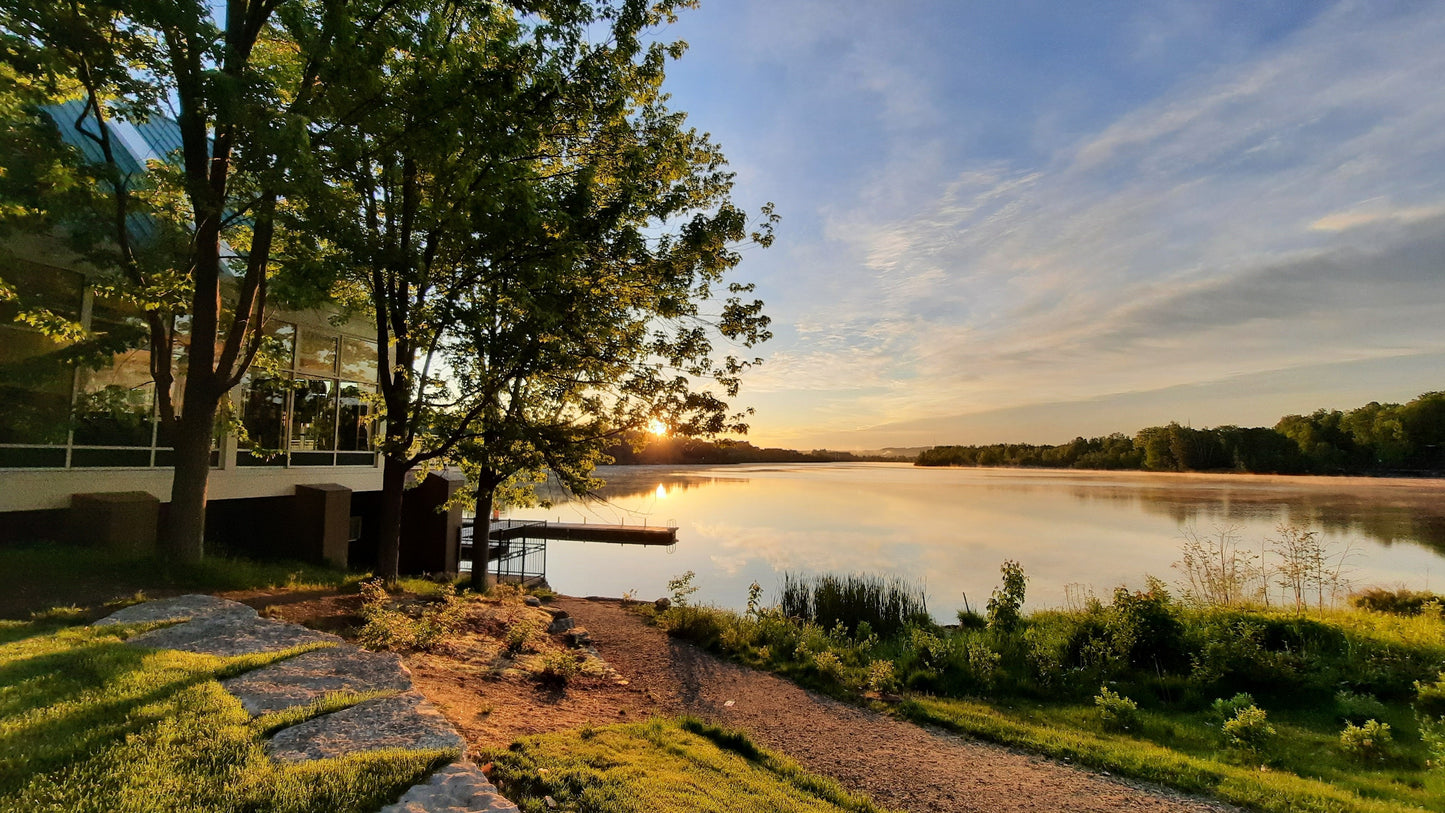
x: 458, y: 788
x: 403, y: 721
x: 313, y: 675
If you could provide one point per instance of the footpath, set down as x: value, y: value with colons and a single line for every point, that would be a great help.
x: 400, y: 718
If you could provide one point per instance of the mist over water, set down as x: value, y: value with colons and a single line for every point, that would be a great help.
x: 951, y: 528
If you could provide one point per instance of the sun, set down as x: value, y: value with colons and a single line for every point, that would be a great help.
x: 657, y: 427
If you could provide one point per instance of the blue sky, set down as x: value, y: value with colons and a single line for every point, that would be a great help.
x: 1026, y: 221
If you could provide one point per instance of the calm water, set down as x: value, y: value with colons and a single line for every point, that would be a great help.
x: 951, y: 528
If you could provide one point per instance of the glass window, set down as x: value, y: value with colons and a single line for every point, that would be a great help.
x: 313, y: 415
x: 357, y: 425
x: 40, y: 286
x: 263, y: 416
x: 358, y: 360
x: 316, y: 353
x: 35, y: 381
x: 279, y: 347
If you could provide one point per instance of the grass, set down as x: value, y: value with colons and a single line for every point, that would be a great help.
x: 662, y: 765
x: 88, y: 723
x: 886, y: 605
x: 56, y: 575
x: 1302, y: 770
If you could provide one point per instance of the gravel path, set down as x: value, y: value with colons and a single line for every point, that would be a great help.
x: 896, y: 763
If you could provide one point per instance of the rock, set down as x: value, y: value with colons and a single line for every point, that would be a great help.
x: 227, y: 634
x: 313, y: 675
x: 177, y: 609
x: 662, y: 604
x: 457, y: 788
x: 561, y: 625
x: 577, y: 637
x: 558, y: 612
x: 532, y: 601
x: 404, y: 721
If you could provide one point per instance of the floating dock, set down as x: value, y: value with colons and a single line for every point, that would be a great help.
x: 517, y: 549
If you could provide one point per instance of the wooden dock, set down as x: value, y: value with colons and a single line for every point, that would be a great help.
x: 502, y: 530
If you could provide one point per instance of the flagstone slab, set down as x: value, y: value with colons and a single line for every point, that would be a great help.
x: 313, y: 675
x: 229, y: 634
x: 177, y: 609
x: 403, y: 721
x: 457, y: 788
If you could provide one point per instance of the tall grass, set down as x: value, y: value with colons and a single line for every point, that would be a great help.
x: 886, y: 604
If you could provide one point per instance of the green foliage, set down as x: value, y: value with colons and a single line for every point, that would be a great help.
x: 681, y: 588
x: 1225, y: 709
x: 1357, y: 708
x: 1248, y: 730
x: 886, y: 605
x: 1116, y: 712
x: 1007, y: 599
x: 662, y: 765
x: 1398, y: 602
x: 881, y: 676
x: 1430, y: 697
x: 419, y: 628
x: 1375, y: 437
x: 522, y: 636
x: 559, y: 667
x: 1367, y: 743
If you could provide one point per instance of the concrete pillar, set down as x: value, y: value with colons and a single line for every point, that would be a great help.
x: 429, y: 534
x: 323, y: 523
x: 122, y: 521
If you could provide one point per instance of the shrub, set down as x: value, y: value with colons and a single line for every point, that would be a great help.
x: 1116, y: 712
x: 522, y: 636
x: 558, y: 668
x: 1007, y: 598
x: 1143, y: 628
x: 881, y: 676
x: 390, y: 628
x: 1225, y: 710
x: 1357, y: 708
x: 828, y: 665
x: 1395, y: 602
x: 1430, y: 698
x: 1248, y: 730
x: 1366, y: 743
x: 1432, y: 733
x: 971, y: 620
x: 681, y: 587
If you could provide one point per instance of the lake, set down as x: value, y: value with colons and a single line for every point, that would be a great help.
x: 950, y: 528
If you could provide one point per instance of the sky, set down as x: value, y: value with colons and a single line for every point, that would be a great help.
x: 1029, y: 221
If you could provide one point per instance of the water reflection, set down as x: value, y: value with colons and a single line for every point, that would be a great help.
x: 951, y: 528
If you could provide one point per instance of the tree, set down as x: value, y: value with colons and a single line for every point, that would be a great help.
x: 534, y: 233
x: 188, y: 243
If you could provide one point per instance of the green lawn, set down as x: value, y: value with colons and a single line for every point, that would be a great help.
x: 90, y: 724
x: 660, y: 766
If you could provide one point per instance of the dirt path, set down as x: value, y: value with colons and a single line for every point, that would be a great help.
x: 897, y: 764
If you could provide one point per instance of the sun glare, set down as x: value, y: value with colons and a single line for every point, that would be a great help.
x: 661, y: 492
x: 657, y: 427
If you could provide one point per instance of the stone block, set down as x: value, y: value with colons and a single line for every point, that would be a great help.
x: 323, y: 523
x: 121, y: 521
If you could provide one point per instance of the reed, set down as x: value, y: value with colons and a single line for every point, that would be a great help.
x: 887, y: 604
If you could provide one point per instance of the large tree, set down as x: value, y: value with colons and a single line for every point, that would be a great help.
x: 188, y: 243
x: 534, y: 233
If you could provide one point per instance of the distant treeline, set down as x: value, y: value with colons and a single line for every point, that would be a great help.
x: 1374, y: 439
x: 676, y: 451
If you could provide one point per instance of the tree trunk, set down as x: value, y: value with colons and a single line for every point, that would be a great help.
x: 186, y: 519
x: 393, y: 490
x: 481, y: 534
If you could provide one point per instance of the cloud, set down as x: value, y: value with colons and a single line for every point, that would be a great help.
x: 1281, y: 210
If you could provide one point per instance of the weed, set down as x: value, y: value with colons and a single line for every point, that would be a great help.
x: 1370, y: 742
x: 559, y: 667
x: 1116, y: 712
x: 522, y: 636
x: 681, y: 588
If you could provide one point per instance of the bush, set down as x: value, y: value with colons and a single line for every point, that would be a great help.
x: 1366, y: 743
x: 828, y: 665
x: 681, y: 588
x: 1224, y: 710
x: 1432, y: 733
x: 1248, y: 730
x: 522, y: 636
x: 1007, y: 598
x: 1430, y: 698
x: 1395, y: 602
x: 1357, y: 708
x: 392, y: 629
x: 558, y: 668
x: 1116, y: 712
x: 881, y: 677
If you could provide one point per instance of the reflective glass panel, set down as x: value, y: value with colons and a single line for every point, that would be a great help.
x: 313, y: 415
x: 358, y: 422
x: 316, y: 353
x: 358, y: 360
x: 263, y: 415
x: 114, y: 406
